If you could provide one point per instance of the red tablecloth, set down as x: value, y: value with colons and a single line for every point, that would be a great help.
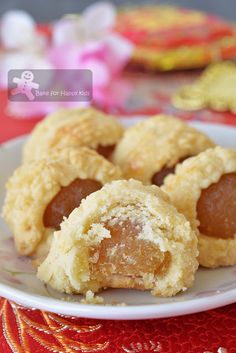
x: 23, y: 330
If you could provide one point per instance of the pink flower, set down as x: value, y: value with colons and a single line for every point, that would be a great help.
x: 92, y: 45
x: 78, y: 42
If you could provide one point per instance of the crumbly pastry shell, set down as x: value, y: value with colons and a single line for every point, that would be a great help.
x: 67, y: 267
x: 184, y: 189
x: 72, y: 127
x: 34, y: 185
x: 156, y: 143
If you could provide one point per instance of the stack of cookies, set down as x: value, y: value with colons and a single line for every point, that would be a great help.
x: 97, y: 206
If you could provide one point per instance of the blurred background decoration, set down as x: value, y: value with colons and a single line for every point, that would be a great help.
x: 125, y: 47
x: 214, y: 89
x: 169, y: 38
x: 85, y: 41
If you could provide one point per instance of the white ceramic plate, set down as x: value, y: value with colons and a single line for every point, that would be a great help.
x: 212, y: 288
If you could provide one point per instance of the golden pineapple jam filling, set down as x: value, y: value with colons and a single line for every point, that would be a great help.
x: 67, y: 199
x: 216, y: 208
x: 125, y: 257
x: 106, y: 151
x: 159, y: 177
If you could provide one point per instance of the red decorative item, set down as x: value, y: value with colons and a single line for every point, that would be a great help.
x: 24, y: 330
x: 168, y: 38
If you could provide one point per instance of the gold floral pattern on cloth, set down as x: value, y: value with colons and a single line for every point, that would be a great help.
x: 214, y: 89
x: 52, y: 332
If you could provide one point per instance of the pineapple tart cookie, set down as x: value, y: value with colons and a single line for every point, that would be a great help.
x: 74, y: 127
x: 151, y: 149
x: 125, y: 235
x: 204, y: 190
x: 41, y: 193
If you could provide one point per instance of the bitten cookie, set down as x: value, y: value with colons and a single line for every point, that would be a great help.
x: 73, y: 127
x: 125, y: 235
x: 204, y: 190
x: 41, y: 193
x: 151, y: 149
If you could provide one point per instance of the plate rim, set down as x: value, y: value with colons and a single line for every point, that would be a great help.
x: 131, y: 312
x: 114, y: 312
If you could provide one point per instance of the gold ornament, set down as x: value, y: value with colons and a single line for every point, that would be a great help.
x: 214, y: 89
